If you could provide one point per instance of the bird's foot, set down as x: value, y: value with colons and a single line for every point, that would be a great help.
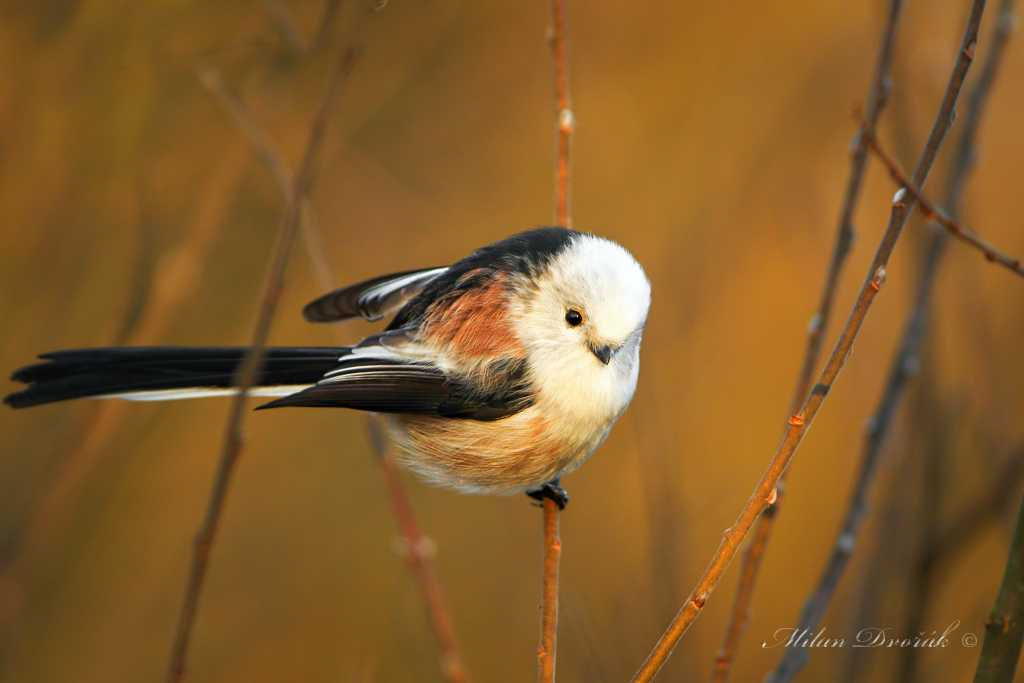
x: 553, y: 491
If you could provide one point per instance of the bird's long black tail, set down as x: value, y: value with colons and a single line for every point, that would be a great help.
x: 165, y: 373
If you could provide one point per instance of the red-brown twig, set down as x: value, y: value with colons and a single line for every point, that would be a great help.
x: 232, y: 446
x: 901, y: 368
x: 564, y: 116
x: 547, y: 648
x: 764, y: 494
x: 419, y: 555
x: 934, y: 213
x: 750, y: 564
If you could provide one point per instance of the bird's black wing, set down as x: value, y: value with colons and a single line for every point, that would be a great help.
x: 524, y: 254
x: 376, y: 379
x: 371, y: 299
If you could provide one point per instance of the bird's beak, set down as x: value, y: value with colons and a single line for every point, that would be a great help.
x: 604, y: 352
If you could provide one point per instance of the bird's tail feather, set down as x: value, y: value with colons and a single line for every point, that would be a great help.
x: 166, y: 373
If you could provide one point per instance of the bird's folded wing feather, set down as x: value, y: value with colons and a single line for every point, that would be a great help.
x: 377, y: 378
x: 371, y: 299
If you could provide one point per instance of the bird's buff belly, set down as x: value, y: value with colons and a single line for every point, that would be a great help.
x: 506, y: 456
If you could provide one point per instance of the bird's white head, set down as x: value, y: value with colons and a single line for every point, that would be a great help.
x: 581, y: 322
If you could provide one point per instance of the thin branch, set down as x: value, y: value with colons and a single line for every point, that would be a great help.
x: 284, y: 22
x: 420, y: 562
x: 902, y: 368
x: 547, y: 648
x: 418, y: 553
x: 565, y: 118
x: 257, y: 138
x: 1004, y: 629
x: 967, y: 150
x: 888, y: 555
x: 933, y: 213
x: 932, y: 419
x: 247, y: 372
x: 269, y: 154
x: 765, y: 493
x: 750, y: 564
x: 319, y: 39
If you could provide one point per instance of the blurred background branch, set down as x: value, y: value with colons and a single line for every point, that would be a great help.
x: 904, y: 364
x: 765, y: 493
x: 233, y: 436
x: 414, y: 543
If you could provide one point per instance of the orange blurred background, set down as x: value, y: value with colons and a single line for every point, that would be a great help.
x: 711, y: 140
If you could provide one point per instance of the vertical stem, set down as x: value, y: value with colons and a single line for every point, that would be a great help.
x: 564, y: 117
x: 549, y: 612
x: 546, y: 651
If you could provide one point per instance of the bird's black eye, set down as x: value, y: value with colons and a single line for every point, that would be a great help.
x: 573, y: 317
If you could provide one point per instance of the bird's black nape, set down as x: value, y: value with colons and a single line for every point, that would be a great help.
x: 526, y: 253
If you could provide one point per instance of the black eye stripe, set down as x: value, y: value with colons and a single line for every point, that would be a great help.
x: 573, y: 317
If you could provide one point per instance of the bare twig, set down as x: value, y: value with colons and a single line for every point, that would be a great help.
x: 257, y: 138
x: 1004, y: 629
x: 932, y: 212
x: 417, y: 550
x: 764, y: 494
x: 903, y: 365
x: 547, y: 648
x: 967, y: 151
x: 750, y: 564
x: 888, y: 555
x: 246, y: 375
x: 932, y: 421
x: 283, y: 20
x: 284, y: 23
x: 565, y: 118
x: 420, y: 563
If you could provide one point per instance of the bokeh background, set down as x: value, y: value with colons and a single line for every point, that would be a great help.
x: 712, y: 141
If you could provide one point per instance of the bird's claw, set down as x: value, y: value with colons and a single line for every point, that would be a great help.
x: 553, y: 491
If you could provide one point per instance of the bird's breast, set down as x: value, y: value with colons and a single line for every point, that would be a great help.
x: 510, y: 455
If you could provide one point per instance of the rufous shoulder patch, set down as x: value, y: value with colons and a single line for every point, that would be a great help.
x: 475, y: 322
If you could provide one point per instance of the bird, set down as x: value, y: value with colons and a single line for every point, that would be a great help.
x: 498, y: 374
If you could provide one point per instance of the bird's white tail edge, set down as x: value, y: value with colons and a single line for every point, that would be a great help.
x: 203, y: 392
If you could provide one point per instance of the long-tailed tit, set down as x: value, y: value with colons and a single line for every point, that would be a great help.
x: 498, y: 374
